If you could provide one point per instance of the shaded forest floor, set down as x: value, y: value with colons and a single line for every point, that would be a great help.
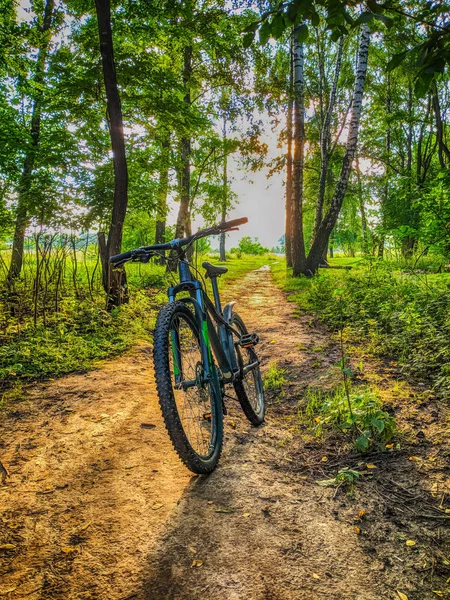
x: 97, y: 505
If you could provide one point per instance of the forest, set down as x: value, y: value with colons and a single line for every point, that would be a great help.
x: 128, y: 123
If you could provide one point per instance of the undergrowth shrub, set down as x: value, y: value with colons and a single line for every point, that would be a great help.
x: 359, y: 415
x: 406, y: 317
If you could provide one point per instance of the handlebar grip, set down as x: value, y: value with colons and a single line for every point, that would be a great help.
x: 234, y: 223
x: 121, y: 257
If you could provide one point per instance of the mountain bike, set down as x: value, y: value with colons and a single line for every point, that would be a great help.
x: 199, y: 348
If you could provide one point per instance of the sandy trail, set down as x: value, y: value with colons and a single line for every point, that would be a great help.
x: 98, y: 506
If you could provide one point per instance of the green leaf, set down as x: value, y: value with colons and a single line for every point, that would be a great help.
x: 385, y: 20
x: 364, y: 17
x: 378, y: 424
x: 396, y: 60
x: 423, y: 83
x: 264, y: 33
x: 252, y: 27
x: 362, y: 443
x: 248, y: 38
x: 315, y: 19
x: 301, y: 33
x: 278, y: 27
x: 374, y: 7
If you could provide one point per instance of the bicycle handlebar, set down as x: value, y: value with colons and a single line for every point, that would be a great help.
x: 119, y: 259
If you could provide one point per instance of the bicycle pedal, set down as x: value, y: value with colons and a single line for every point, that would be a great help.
x: 248, y: 340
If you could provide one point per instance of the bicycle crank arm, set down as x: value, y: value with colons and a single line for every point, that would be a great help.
x: 251, y: 366
x: 185, y: 385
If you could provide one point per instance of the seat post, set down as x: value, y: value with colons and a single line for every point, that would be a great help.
x: 215, y: 288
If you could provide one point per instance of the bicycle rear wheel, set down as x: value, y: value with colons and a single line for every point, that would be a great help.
x: 250, y: 389
x: 191, y: 407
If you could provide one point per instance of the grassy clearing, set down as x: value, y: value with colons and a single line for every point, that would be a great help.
x: 69, y: 329
x: 402, y: 315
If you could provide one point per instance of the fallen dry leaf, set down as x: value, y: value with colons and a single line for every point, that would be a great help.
x: 361, y: 513
x: 402, y: 596
x: 246, y: 515
x: 223, y: 510
x: 410, y: 543
x: 324, y: 459
x: 315, y: 576
x: 157, y: 506
x: 371, y: 466
x: 197, y: 563
x: 7, y: 546
x: 413, y: 458
x: 357, y: 529
x: 389, y: 446
x: 192, y: 549
x: 438, y: 593
x: 67, y: 549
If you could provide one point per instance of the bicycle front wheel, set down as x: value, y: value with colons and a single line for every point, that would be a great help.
x: 191, y: 406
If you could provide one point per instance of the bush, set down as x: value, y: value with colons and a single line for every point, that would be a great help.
x: 359, y: 414
x: 248, y: 246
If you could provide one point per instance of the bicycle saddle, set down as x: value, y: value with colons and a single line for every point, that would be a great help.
x: 213, y: 270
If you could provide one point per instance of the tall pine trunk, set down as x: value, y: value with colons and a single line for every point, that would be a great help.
x: 22, y: 216
x: 288, y: 208
x: 326, y: 226
x: 297, y: 240
x: 114, y: 280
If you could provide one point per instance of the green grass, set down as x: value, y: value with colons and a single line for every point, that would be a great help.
x: 275, y: 379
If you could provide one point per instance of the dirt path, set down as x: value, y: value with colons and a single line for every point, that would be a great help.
x: 97, y: 505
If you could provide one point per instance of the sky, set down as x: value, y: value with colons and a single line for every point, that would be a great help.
x: 258, y: 198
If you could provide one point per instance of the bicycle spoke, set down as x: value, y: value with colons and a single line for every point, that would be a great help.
x: 193, y: 402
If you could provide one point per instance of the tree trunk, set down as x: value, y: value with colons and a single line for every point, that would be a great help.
x: 288, y: 208
x: 321, y: 240
x: 163, y: 187
x: 443, y: 151
x: 297, y: 240
x: 115, y: 289
x: 362, y: 208
x: 222, y: 252
x: 185, y: 171
x: 384, y: 203
x: 325, y: 143
x: 24, y: 187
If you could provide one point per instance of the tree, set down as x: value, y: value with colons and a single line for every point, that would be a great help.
x: 297, y: 240
x: 326, y: 226
x: 44, y: 31
x: 114, y: 280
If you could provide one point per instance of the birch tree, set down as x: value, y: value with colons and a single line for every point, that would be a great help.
x: 297, y: 240
x: 326, y: 226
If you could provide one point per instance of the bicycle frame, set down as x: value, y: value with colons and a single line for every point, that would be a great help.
x: 213, y: 341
